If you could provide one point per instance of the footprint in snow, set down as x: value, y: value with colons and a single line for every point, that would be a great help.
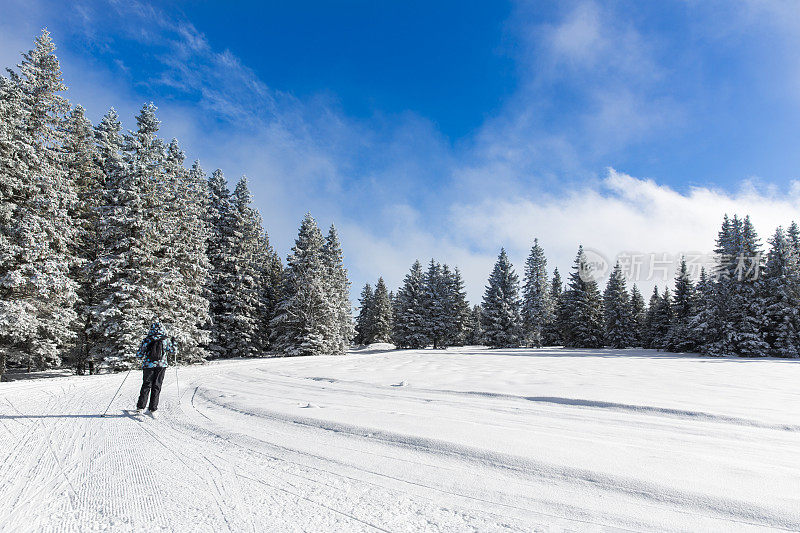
x: 310, y: 406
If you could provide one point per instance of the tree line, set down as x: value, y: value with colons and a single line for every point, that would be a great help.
x: 746, y: 304
x: 103, y: 231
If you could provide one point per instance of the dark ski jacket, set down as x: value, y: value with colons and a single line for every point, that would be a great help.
x: 157, y: 333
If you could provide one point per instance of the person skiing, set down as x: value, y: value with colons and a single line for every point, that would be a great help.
x: 153, y: 353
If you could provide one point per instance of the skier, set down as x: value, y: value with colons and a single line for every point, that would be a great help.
x: 153, y: 353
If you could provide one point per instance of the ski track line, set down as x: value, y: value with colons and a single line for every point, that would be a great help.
x: 573, y: 402
x: 473, y: 499
x: 731, y: 509
x: 461, y: 496
x: 337, y: 474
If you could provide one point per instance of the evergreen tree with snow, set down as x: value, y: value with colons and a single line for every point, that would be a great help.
x: 650, y: 331
x: 582, y: 308
x: 536, y: 305
x: 133, y: 247
x: 793, y: 236
x: 221, y: 279
x: 339, y: 293
x: 270, y: 270
x: 474, y: 334
x: 364, y: 321
x: 305, y: 320
x: 86, y: 179
x: 435, y: 304
x: 184, y: 264
x: 684, y: 309
x: 244, y: 311
x: 410, y: 329
x: 37, y: 295
x: 500, y: 310
x: 662, y: 320
x: 782, y: 303
x: 553, y: 328
x: 460, y: 313
x: 381, y: 315
x: 619, y: 325
x: 638, y: 316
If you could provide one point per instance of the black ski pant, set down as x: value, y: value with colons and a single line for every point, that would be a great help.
x: 152, y: 378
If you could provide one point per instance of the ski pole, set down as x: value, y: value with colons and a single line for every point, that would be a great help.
x: 119, y: 389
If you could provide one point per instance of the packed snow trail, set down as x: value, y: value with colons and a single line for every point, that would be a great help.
x: 456, y: 440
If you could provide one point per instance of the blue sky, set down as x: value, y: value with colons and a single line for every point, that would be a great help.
x: 449, y: 129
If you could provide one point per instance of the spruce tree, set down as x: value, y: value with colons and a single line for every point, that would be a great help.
x: 582, y: 308
x: 244, y: 311
x: 364, y: 321
x: 638, y: 316
x: 474, y: 330
x: 435, y: 305
x: 619, y: 325
x: 130, y: 272
x: 338, y: 294
x: 381, y: 316
x: 684, y: 309
x: 782, y: 305
x: 554, y: 327
x: 500, y: 311
x: 221, y: 280
x: 86, y: 178
x: 37, y: 296
x: 661, y: 321
x: 184, y: 263
x: 650, y: 332
x: 460, y: 313
x: 305, y: 319
x: 536, y: 305
x: 270, y: 278
x: 409, y: 329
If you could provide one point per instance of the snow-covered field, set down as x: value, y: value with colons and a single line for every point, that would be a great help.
x: 456, y: 440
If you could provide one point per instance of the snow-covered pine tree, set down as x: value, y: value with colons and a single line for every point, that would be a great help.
x: 222, y: 222
x: 474, y: 330
x: 747, y: 299
x: 37, y: 296
x: 245, y: 304
x: 684, y: 309
x: 130, y: 268
x: 500, y: 311
x: 721, y: 326
x: 700, y: 324
x: 339, y: 294
x: 364, y: 321
x: 270, y: 279
x: 583, y: 307
x: 650, y: 331
x: 381, y: 314
x: 409, y: 330
x: 536, y: 305
x: 793, y: 236
x: 184, y: 263
x: 638, y: 314
x: 86, y: 177
x: 553, y: 329
x: 435, y: 305
x: 305, y: 320
x: 782, y: 289
x: 662, y: 321
x: 619, y: 324
x: 459, y: 311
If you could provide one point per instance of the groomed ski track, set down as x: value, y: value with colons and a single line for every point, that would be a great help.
x: 469, y: 440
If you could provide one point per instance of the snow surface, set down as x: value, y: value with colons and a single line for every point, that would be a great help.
x: 454, y: 440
